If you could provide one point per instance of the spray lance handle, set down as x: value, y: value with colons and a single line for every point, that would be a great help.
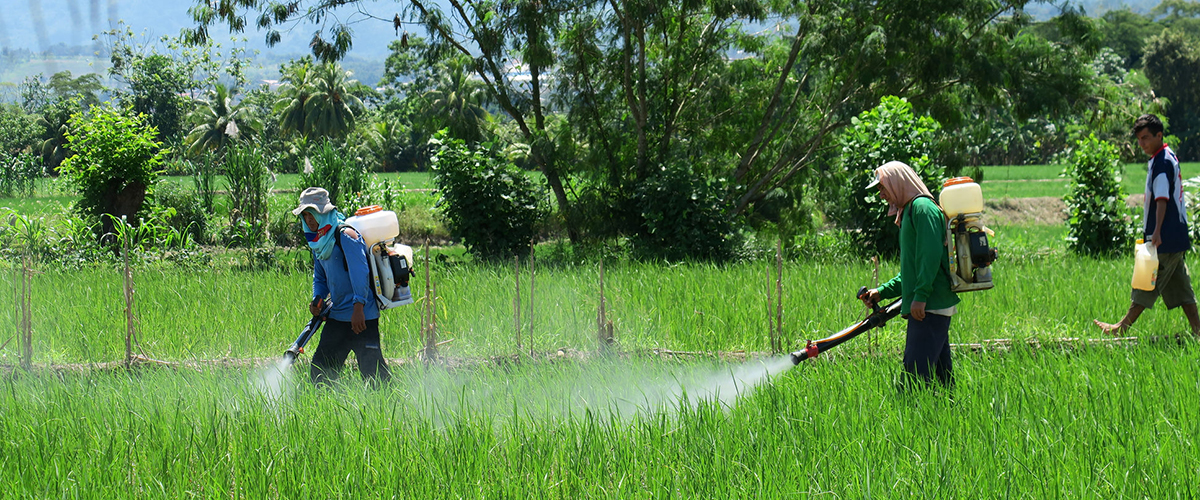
x: 863, y: 296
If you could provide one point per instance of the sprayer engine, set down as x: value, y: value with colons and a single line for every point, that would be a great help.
x: 969, y: 253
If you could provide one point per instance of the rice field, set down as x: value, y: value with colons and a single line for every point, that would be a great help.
x: 689, y: 403
x: 1095, y: 423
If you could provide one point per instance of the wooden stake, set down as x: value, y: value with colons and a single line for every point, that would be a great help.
x: 129, y: 319
x: 777, y: 344
x: 770, y: 308
x: 517, y: 300
x: 429, y: 314
x: 531, y: 261
x: 26, y: 313
x: 604, y: 330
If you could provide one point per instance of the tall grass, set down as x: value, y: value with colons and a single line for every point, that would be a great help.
x: 1100, y: 423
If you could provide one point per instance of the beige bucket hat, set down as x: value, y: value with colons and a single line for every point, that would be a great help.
x: 315, y: 198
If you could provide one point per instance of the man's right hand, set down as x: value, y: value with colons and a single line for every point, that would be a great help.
x: 315, y: 306
x: 871, y: 298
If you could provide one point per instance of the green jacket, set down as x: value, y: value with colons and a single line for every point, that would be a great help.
x: 924, y: 261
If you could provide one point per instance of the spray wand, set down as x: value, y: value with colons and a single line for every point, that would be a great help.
x: 314, y: 324
x: 878, y: 316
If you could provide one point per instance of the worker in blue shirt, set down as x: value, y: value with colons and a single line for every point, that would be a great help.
x: 340, y: 273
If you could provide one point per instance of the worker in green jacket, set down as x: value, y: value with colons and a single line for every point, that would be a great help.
x: 923, y: 284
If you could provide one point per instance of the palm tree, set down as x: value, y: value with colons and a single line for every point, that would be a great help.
x: 218, y: 121
x: 294, y: 94
x: 387, y: 141
x: 331, y: 109
x: 456, y: 102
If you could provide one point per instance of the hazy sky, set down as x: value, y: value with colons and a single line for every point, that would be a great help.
x: 37, y: 24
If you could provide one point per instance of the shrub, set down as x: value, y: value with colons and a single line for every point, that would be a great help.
x: 489, y: 203
x: 186, y: 211
x: 334, y: 170
x: 116, y: 159
x: 885, y: 133
x: 1095, y: 203
x: 683, y: 217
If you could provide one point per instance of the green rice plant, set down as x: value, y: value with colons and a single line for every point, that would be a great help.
x: 248, y: 181
x: 1026, y: 424
x: 19, y: 175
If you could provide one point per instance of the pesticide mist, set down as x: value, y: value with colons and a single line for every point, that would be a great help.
x: 617, y: 388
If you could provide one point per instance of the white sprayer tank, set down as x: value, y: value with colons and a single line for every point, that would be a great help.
x: 961, y: 195
x: 375, y: 224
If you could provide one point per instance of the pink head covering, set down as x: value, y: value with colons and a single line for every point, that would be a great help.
x: 902, y: 185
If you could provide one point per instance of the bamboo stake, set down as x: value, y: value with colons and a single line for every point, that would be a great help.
x: 604, y: 330
x: 531, y: 262
x: 129, y: 319
x: 777, y: 345
x: 429, y: 318
x: 517, y: 300
x: 770, y: 307
x: 27, y: 313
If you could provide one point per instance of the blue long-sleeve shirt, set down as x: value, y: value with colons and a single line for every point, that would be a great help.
x: 345, y: 284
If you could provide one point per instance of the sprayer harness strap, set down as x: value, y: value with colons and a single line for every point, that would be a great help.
x: 945, y: 265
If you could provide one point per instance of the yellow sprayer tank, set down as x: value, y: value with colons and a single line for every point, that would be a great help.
x: 961, y: 195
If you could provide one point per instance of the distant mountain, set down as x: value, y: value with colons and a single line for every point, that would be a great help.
x: 1097, y: 8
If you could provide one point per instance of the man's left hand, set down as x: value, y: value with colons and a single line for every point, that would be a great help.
x: 917, y: 311
x: 358, y: 321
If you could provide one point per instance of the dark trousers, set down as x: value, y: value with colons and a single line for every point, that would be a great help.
x: 337, y: 340
x: 927, y: 350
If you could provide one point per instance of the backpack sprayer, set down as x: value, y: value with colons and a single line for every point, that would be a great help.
x: 389, y: 264
x: 966, y: 236
x: 968, y: 253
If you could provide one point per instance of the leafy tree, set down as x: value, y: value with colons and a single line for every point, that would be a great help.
x: 159, y: 77
x: 218, y: 121
x: 888, y: 132
x: 18, y: 132
x: 388, y: 142
x: 293, y: 95
x: 116, y: 160
x: 646, y: 84
x: 1171, y: 60
x: 85, y: 88
x: 53, y: 121
x: 1126, y: 33
x: 1095, y: 204
x: 489, y: 203
x: 684, y: 217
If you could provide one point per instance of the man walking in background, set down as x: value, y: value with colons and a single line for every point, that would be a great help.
x: 1166, y: 226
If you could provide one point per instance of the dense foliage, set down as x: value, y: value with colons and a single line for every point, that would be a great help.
x: 116, y: 159
x: 1097, y: 218
x: 489, y: 203
x: 888, y: 132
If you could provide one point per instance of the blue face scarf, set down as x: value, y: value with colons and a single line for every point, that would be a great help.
x: 321, y: 242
